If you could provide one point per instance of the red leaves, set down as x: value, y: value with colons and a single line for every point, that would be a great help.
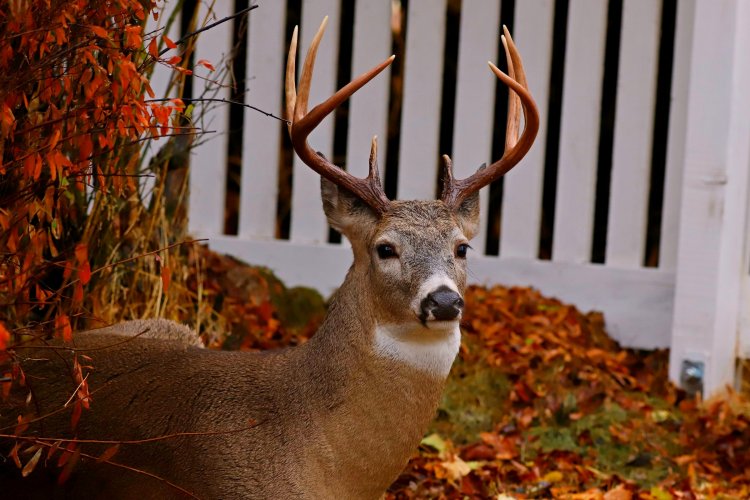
x: 32, y: 166
x: 7, y: 121
x: 108, y: 453
x: 4, y: 337
x: 153, y: 49
x: 206, y: 64
x: 62, y: 327
x: 99, y: 31
x: 76, y: 415
x: 69, y: 462
x: 170, y: 44
x: 165, y: 278
x: 133, y: 38
x: 72, y: 103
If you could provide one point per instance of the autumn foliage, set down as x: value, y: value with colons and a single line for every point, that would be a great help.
x: 73, y: 116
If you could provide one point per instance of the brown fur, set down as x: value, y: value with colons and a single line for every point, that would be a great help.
x: 333, y: 419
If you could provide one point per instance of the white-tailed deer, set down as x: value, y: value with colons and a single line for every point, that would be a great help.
x: 335, y: 418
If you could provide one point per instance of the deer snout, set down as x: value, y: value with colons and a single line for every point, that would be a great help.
x: 442, y: 304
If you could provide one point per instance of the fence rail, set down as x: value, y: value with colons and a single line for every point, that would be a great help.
x: 633, y: 200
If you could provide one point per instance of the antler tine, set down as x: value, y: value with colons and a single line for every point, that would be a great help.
x: 369, y: 190
x: 374, y: 172
x: 290, y: 87
x: 514, y: 102
x: 457, y: 190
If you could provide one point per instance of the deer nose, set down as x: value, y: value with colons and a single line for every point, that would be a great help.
x: 442, y: 304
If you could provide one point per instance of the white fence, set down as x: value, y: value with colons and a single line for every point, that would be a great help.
x: 695, y: 301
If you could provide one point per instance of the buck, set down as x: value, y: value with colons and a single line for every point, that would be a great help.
x: 335, y: 418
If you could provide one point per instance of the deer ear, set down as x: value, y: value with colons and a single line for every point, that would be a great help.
x: 346, y: 213
x: 468, y: 215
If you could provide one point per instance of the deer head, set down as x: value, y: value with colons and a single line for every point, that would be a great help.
x: 411, y: 254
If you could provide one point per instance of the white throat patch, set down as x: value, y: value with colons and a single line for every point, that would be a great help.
x: 431, y: 350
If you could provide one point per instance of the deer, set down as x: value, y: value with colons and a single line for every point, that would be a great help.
x: 337, y: 417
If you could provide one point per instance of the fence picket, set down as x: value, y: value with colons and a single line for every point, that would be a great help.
x: 420, y: 118
x: 161, y: 77
x: 579, y: 131
x: 261, y: 134
x: 670, y: 221
x: 209, y: 163
x: 634, y: 127
x: 308, y: 221
x: 368, y: 111
x: 522, y: 191
x: 475, y: 95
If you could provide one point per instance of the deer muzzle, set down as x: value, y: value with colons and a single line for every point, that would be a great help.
x: 442, y: 304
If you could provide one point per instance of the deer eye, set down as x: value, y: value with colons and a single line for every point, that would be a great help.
x: 386, y: 251
x: 461, y: 250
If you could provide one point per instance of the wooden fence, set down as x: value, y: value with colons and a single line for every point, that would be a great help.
x: 633, y: 200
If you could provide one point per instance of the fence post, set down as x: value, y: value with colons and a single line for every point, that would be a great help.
x: 711, y: 242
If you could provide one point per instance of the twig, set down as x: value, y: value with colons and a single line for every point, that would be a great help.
x: 227, y: 101
x: 168, y: 247
x: 50, y: 414
x: 154, y: 439
x: 207, y: 27
x: 75, y: 391
x: 82, y: 349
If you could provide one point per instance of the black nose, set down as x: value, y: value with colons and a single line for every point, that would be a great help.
x: 444, y: 304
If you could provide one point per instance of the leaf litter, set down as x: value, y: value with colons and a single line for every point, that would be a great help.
x: 542, y: 403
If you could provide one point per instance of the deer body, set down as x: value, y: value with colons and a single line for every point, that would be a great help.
x: 337, y: 417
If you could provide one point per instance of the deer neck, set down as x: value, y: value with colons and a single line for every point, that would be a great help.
x: 378, y: 385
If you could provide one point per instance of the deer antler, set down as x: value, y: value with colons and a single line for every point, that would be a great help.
x: 302, y: 122
x: 457, y: 190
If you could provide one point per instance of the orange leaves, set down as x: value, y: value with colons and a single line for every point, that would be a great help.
x: 170, y: 44
x: 108, y: 453
x: 166, y: 276
x: 7, y: 121
x: 54, y: 139
x: 205, y: 64
x: 84, y: 272
x: 4, y: 337
x: 32, y: 166
x: 153, y: 49
x: 68, y: 460
x: 133, y: 38
x: 62, y: 327
x: 76, y: 415
x: 82, y: 265
x: 99, y: 32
